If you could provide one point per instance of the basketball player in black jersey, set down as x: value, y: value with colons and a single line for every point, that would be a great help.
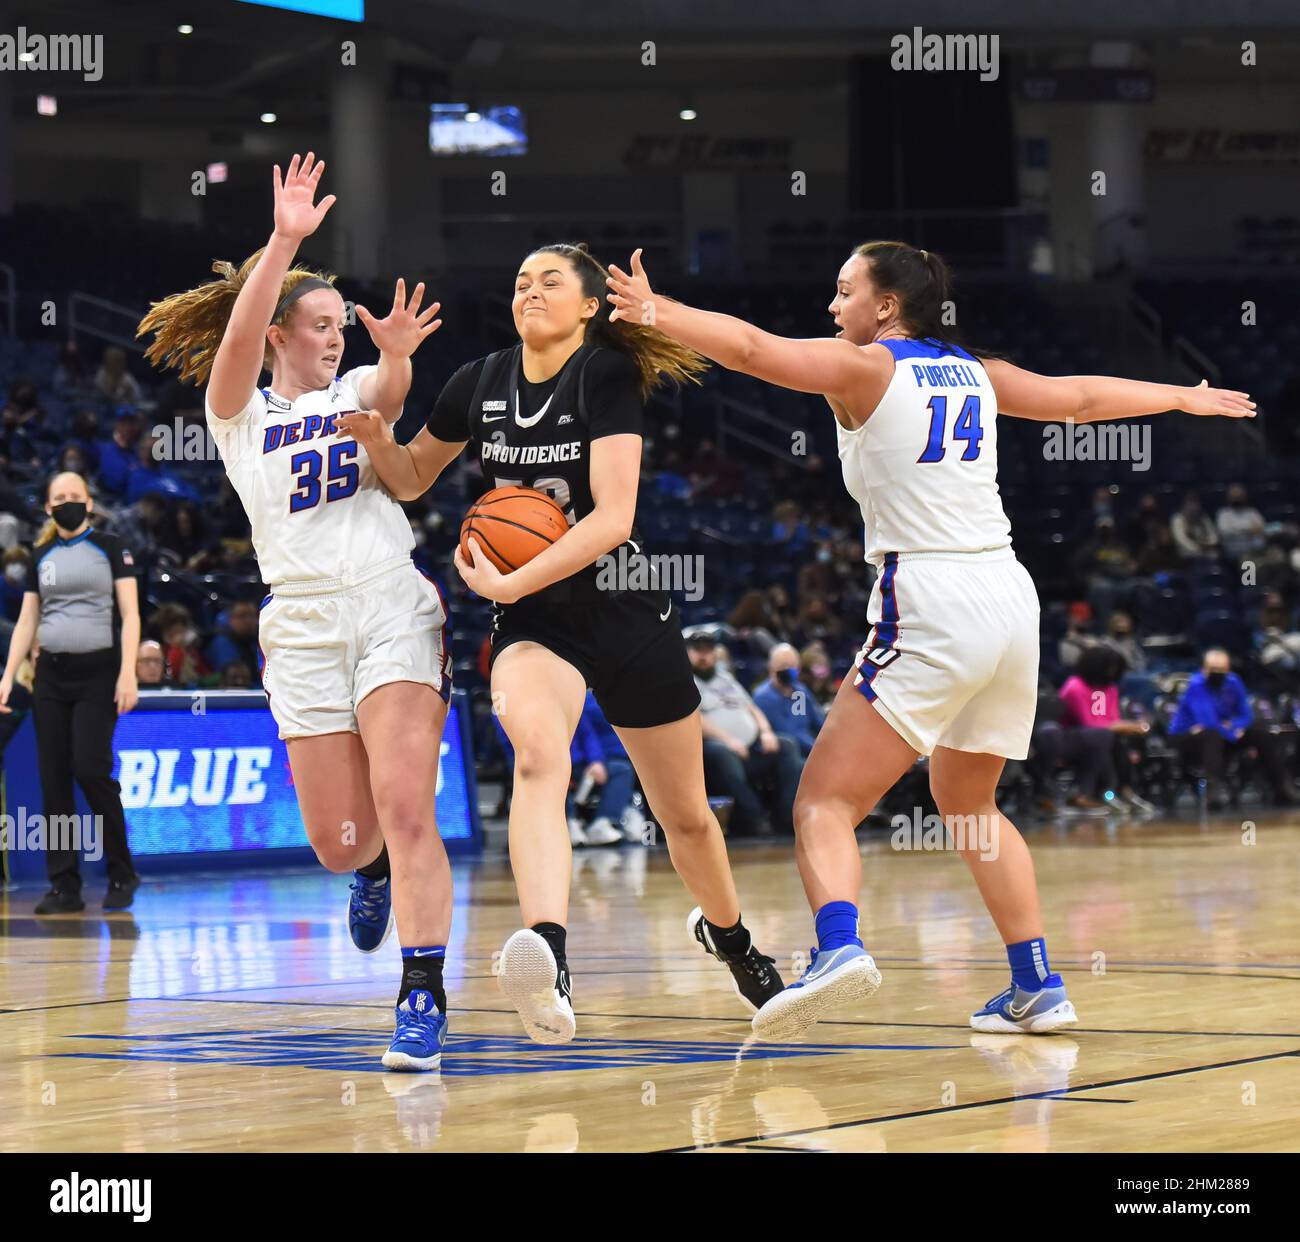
x: 562, y: 412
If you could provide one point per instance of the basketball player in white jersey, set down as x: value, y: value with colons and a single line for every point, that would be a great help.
x: 950, y: 669
x: 352, y: 633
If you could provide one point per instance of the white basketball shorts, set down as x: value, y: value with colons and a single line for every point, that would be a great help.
x: 325, y: 650
x: 952, y: 657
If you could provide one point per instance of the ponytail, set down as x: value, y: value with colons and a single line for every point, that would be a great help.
x: 188, y: 326
x: 922, y: 282
x: 658, y: 357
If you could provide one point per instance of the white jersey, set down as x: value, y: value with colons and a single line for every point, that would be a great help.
x: 924, y: 467
x: 317, y: 508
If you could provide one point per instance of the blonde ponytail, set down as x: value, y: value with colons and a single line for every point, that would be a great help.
x: 188, y: 326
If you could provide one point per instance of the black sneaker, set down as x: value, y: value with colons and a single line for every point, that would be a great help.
x: 121, y: 895
x: 60, y: 901
x: 754, y: 976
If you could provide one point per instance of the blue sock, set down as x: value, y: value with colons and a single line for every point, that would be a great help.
x: 837, y: 925
x: 1029, y: 969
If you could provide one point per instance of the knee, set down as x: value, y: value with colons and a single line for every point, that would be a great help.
x: 692, y: 823
x: 334, y: 853
x: 813, y: 811
x: 404, y: 821
x: 538, y: 758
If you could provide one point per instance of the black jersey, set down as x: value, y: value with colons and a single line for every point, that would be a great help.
x: 540, y: 435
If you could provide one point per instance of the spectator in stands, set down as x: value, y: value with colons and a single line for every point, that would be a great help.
x: 113, y: 382
x: 1274, y: 571
x: 73, y: 460
x: 236, y: 641
x: 16, y: 563
x: 1241, y: 526
x: 183, y: 536
x: 789, y: 530
x: 815, y: 673
x: 150, y: 475
x: 1078, y: 634
x: 763, y: 615
x: 85, y: 436
x: 789, y: 706
x: 1090, y: 701
x: 23, y: 436
x: 234, y: 677
x: 119, y: 454
x: 714, y: 474
x: 741, y: 751
x: 71, y: 379
x: 142, y: 526
x: 1107, y: 564
x: 1278, y: 643
x: 1215, y: 719
x: 1194, y: 533
x: 1147, y: 518
x: 150, y: 666
x: 1121, y: 640
x: 186, y: 666
x: 1160, y: 555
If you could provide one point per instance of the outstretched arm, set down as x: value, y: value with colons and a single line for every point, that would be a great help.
x: 238, y: 363
x: 1091, y: 398
x: 827, y: 366
x: 396, y: 337
x: 406, y: 470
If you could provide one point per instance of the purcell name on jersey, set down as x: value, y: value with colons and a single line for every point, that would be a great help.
x: 316, y: 506
x: 924, y: 467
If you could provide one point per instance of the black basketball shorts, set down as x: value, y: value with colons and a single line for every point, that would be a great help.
x: 626, y: 644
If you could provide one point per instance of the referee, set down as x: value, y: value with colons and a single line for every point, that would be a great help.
x: 82, y: 607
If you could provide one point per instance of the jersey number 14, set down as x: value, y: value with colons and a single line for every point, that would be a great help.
x: 966, y: 426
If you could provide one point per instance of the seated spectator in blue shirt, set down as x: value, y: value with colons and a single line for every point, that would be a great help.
x: 236, y: 641
x: 1215, y: 718
x: 118, y: 458
x: 151, y: 476
x: 788, y: 704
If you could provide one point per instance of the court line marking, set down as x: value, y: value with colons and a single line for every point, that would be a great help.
x: 192, y: 999
x: 958, y: 1108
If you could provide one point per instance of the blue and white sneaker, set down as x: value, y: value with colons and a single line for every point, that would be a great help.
x: 370, y: 912
x: 421, y: 1032
x: 839, y: 977
x: 1017, y: 1012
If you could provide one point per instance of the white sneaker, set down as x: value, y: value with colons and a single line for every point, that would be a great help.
x: 537, y: 989
x: 634, y: 822
x: 576, y: 834
x: 601, y: 831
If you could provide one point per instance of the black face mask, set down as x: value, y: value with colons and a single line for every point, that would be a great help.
x: 785, y: 677
x: 1215, y: 680
x: 706, y: 674
x: 69, y: 515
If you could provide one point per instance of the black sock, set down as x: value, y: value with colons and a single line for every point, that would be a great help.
x: 730, y: 940
x: 423, y: 974
x: 377, y: 870
x: 554, y: 935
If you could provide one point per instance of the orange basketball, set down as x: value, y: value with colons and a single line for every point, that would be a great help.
x: 512, y: 525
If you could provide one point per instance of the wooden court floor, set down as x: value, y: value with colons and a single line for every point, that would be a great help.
x: 231, y: 1013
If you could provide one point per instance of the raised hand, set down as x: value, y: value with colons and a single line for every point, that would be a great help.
x: 367, y: 427
x: 400, y: 333
x: 630, y: 294
x: 1221, y: 401
x: 297, y: 214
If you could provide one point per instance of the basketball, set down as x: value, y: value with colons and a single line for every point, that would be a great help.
x: 512, y: 525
